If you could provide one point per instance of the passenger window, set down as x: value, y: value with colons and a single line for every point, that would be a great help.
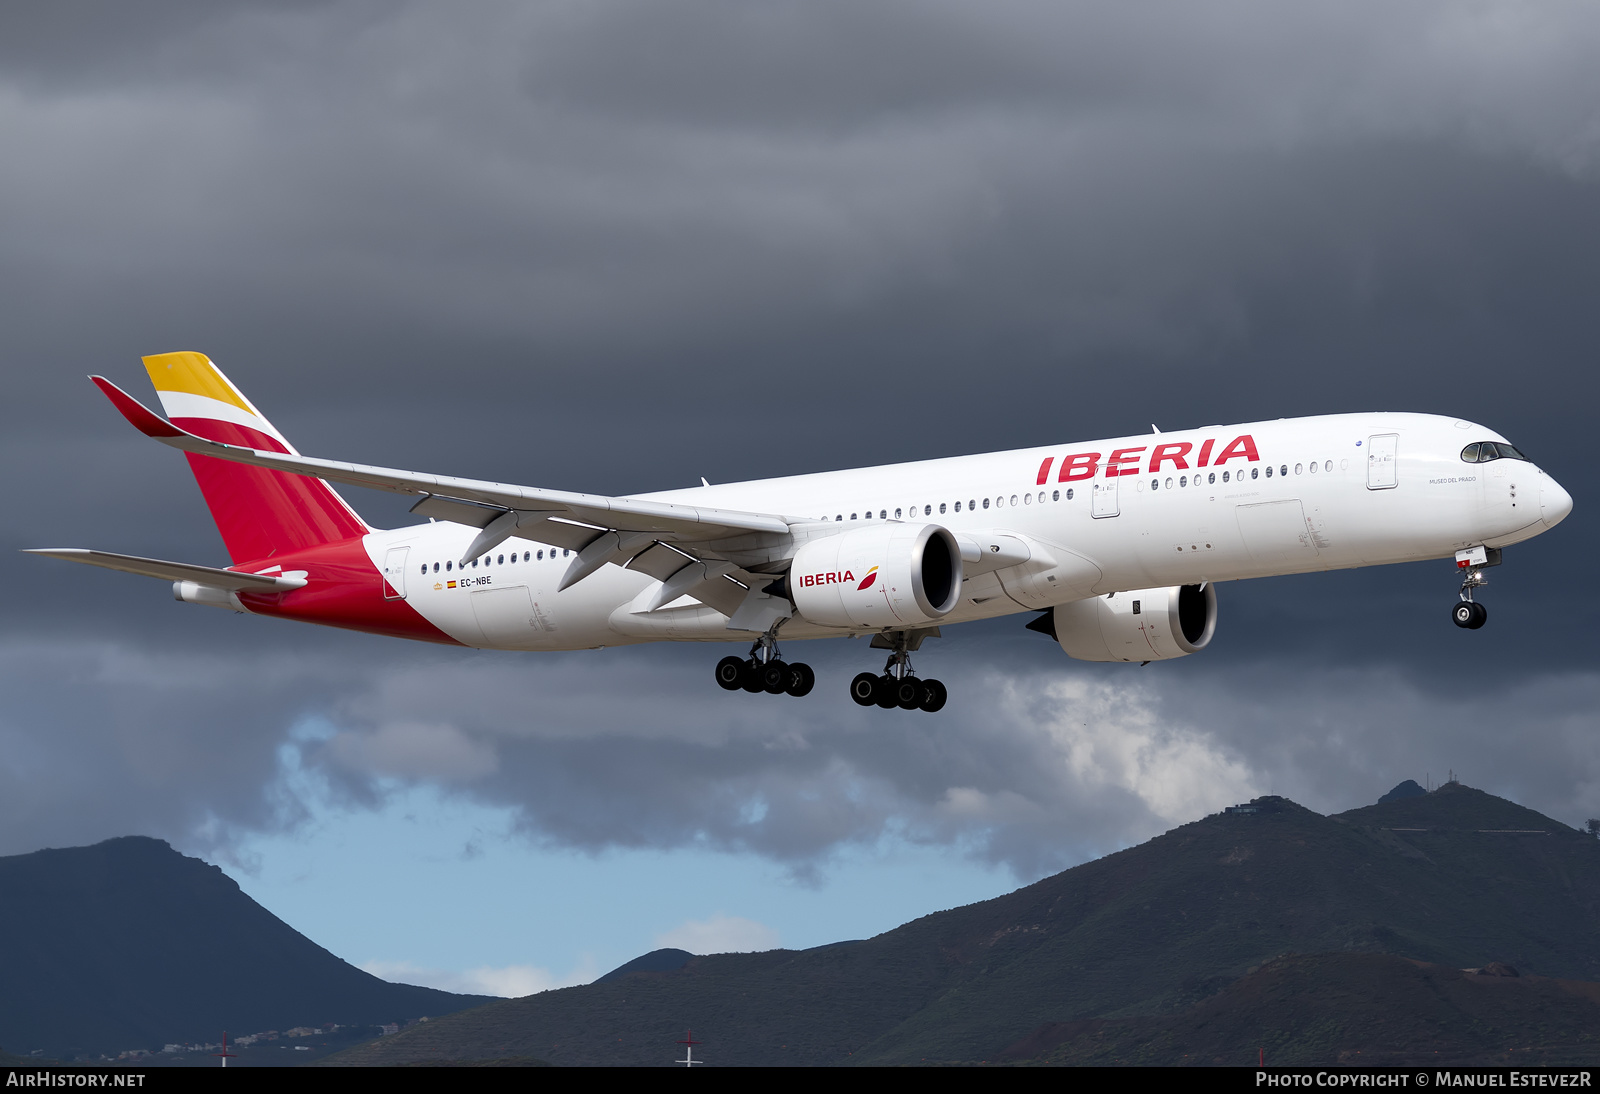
x: 474, y: 564
x: 435, y: 567
x: 1055, y: 495
x: 973, y: 505
x: 1284, y: 470
x: 424, y: 569
x: 927, y: 510
x: 1183, y: 480
x: 1213, y: 477
x: 1169, y: 484
x: 1155, y: 484
x: 1255, y: 471
x: 1069, y: 493
x: 958, y: 507
x: 501, y: 560
x: 448, y: 566
x: 897, y: 514
x: 1328, y: 466
x: 1225, y: 476
x: 1269, y: 472
x: 941, y: 508
x: 1013, y: 500
x: 1297, y: 469
x: 1313, y: 468
x: 986, y: 503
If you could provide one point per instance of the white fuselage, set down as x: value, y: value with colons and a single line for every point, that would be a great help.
x: 1343, y: 491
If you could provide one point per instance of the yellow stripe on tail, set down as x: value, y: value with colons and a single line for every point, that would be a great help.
x: 194, y: 374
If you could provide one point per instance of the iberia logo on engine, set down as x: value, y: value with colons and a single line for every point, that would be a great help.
x: 866, y: 582
x: 834, y: 578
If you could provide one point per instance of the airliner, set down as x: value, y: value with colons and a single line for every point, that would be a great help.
x: 1116, y: 547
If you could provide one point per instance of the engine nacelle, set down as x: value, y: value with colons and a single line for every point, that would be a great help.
x: 1142, y: 625
x: 883, y: 575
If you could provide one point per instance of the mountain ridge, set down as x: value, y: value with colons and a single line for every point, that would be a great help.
x: 1456, y: 878
x: 129, y: 944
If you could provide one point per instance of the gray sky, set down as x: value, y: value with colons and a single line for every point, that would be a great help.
x: 614, y: 247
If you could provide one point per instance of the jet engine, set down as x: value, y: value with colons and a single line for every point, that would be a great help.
x: 883, y: 575
x: 1142, y: 625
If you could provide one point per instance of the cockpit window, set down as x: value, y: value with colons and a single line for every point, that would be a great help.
x: 1485, y: 451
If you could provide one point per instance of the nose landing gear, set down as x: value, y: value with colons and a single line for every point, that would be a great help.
x: 765, y: 671
x: 1469, y: 614
x: 899, y: 685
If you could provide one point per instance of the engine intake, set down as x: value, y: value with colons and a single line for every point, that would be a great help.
x: 885, y: 575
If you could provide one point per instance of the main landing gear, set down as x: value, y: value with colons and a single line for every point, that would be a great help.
x: 765, y: 671
x: 1469, y: 614
x: 898, y: 686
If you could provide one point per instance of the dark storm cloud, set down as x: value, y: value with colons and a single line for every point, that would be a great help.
x: 616, y: 247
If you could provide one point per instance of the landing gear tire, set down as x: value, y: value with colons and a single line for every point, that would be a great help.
x: 907, y: 693
x: 801, y: 680
x: 883, y: 691
x: 1470, y: 615
x: 730, y: 673
x: 752, y: 682
x: 774, y: 677
x: 864, y: 689
x: 933, y: 695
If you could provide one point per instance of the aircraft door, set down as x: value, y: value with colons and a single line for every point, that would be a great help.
x: 394, y: 573
x: 1105, y: 497
x: 1383, y: 461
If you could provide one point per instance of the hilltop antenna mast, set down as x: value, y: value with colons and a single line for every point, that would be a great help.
x: 688, y: 1052
x: 225, y: 1053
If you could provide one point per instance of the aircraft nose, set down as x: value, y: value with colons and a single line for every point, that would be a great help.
x: 1554, y: 502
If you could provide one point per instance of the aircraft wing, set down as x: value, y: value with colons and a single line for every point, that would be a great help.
x: 231, y: 580
x: 603, y: 530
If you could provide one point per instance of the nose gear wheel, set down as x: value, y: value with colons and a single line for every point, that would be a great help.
x: 1469, y: 614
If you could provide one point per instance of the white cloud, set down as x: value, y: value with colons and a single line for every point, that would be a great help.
x: 509, y: 981
x: 719, y: 934
x: 1123, y: 737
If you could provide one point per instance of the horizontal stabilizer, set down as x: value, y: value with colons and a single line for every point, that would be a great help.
x: 231, y: 580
